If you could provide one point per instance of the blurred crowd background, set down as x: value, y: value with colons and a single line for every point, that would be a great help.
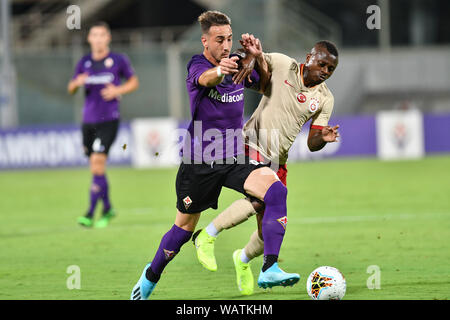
x: 391, y: 87
x: 404, y: 64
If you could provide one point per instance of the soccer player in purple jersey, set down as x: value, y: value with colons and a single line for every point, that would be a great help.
x: 100, y: 72
x: 217, y: 105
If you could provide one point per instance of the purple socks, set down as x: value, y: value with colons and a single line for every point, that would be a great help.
x: 99, y: 190
x: 169, y: 246
x: 273, y: 228
x: 274, y: 222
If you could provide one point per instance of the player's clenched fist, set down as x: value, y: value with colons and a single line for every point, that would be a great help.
x: 229, y: 65
x: 251, y: 44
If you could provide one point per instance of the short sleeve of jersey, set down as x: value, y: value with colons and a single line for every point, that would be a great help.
x: 322, y: 118
x: 195, y: 69
x: 126, y: 70
x: 276, y: 60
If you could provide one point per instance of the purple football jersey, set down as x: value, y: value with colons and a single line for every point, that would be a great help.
x: 215, y: 131
x: 108, y: 70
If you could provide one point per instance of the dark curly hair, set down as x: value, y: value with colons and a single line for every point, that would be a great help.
x: 330, y: 46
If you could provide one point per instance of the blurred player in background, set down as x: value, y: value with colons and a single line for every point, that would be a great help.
x: 100, y: 72
x: 217, y: 103
x: 297, y: 92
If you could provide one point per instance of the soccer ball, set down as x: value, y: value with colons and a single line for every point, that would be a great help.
x: 326, y: 283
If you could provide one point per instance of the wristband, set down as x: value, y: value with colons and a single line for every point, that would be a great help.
x: 219, y: 72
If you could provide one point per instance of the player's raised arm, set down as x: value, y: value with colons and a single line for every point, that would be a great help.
x: 253, y: 49
x: 246, y: 65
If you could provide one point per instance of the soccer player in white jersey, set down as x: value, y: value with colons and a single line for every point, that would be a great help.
x: 296, y: 93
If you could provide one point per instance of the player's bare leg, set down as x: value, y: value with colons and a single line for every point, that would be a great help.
x: 169, y: 246
x: 187, y: 221
x: 97, y: 163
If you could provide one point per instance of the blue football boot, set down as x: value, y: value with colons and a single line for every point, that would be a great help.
x: 143, y: 288
x: 274, y: 276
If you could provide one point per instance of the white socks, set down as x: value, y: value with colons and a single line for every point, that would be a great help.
x: 211, y: 230
x: 244, y: 257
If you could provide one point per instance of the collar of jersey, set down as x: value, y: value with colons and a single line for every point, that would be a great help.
x: 302, y: 65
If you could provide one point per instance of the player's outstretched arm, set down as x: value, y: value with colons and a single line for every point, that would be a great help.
x: 253, y: 47
x: 264, y: 73
x: 246, y: 66
x: 318, y: 138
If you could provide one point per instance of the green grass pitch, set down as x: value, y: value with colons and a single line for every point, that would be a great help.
x: 350, y: 214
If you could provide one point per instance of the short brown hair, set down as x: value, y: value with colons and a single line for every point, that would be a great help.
x: 213, y: 18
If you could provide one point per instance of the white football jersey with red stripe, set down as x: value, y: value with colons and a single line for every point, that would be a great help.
x: 285, y: 107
